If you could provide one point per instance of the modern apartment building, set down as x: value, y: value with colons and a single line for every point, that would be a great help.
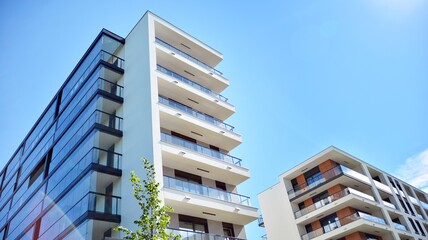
x: 334, y: 195
x: 152, y: 94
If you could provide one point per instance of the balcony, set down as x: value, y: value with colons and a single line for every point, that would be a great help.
x: 400, y: 227
x: 214, y: 193
x: 184, y: 121
x: 173, y: 61
x: 187, y: 156
x: 196, y: 114
x: 101, y: 57
x: 261, y: 221
x: 192, y: 94
x: 167, y: 138
x: 93, y: 205
x: 330, y: 199
x: 187, y: 56
x: 185, y: 235
x: 390, y: 205
x: 191, y: 83
x: 204, y: 202
x: 330, y: 175
x: 382, y: 187
x: 342, y: 222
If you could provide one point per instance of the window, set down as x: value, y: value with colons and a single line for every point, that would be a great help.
x: 313, y: 176
x: 188, y: 177
x: 295, y: 184
x: 330, y: 223
x: 228, y: 230
x: 193, y: 224
x: 183, y: 137
x: 321, y: 199
x: 220, y: 185
x: 308, y: 228
x: 301, y: 205
x: 36, y: 173
x: 371, y: 237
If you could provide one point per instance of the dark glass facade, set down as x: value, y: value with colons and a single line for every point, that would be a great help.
x: 47, y: 187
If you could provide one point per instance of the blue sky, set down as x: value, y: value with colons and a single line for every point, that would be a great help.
x: 304, y: 74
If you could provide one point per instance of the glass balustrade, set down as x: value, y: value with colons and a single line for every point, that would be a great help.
x: 390, y: 205
x: 400, y: 227
x: 102, y: 203
x: 190, y: 235
x: 194, y: 113
x: 191, y: 83
x: 327, y: 175
x: 187, y: 56
x: 167, y: 138
x: 199, y: 189
x: 341, y: 222
x: 382, y: 186
x: 329, y: 199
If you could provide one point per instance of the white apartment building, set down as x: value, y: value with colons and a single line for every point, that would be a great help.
x: 155, y: 94
x: 336, y: 196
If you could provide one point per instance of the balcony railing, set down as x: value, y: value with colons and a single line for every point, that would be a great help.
x: 194, y: 113
x: 327, y: 175
x: 191, y: 83
x: 187, y: 56
x: 329, y: 199
x: 341, y: 222
x: 199, y: 189
x: 189, y: 235
x: 400, y: 227
x: 382, y: 186
x: 105, y: 204
x: 388, y: 204
x: 73, y: 136
x: 102, y: 55
x: 165, y: 137
x: 424, y: 204
x: 261, y: 221
x: 99, y: 83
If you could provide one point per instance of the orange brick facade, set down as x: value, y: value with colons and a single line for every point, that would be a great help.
x: 358, y: 236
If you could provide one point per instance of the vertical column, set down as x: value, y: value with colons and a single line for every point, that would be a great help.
x: 378, y: 198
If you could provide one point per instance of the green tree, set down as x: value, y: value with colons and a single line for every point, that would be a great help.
x: 154, y: 219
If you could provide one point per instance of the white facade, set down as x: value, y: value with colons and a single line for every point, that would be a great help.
x: 158, y: 65
x: 334, y: 195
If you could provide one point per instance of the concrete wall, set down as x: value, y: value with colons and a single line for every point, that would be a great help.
x: 277, y: 214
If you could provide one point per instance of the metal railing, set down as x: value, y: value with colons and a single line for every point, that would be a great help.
x: 102, y: 203
x: 195, y: 113
x: 388, y: 204
x: 191, y: 83
x: 341, y: 222
x: 199, y: 189
x: 327, y: 175
x: 329, y: 199
x: 382, y: 186
x: 97, y: 117
x: 167, y: 138
x: 187, y: 56
x: 400, y: 227
x: 190, y: 235
x: 261, y: 221
x: 102, y: 55
x: 99, y: 83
